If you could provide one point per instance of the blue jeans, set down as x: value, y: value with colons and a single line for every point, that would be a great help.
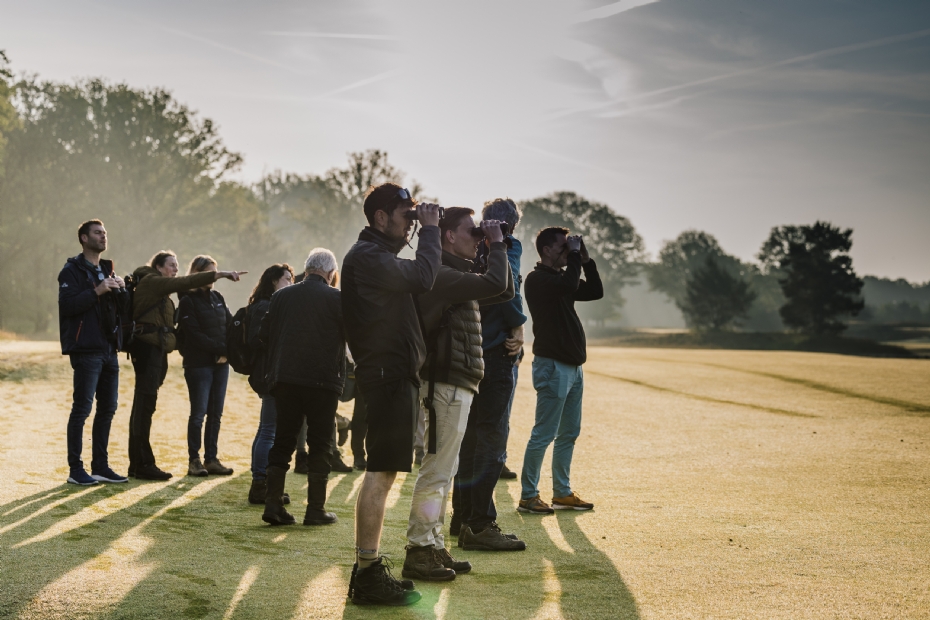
x: 484, y: 446
x: 264, y: 437
x: 207, y: 389
x: 95, y: 374
x: 559, y: 388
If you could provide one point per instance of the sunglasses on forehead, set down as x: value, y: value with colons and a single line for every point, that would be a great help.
x: 404, y: 194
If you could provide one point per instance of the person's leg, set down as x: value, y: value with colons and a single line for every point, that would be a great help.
x: 107, y: 395
x: 289, y: 404
x: 87, y: 370
x: 264, y: 437
x: 359, y: 428
x: 199, y: 381
x: 465, y: 476
x: 302, y: 438
x: 369, y: 514
x: 491, y: 436
x: 151, y: 369
x: 419, y: 436
x: 551, y: 390
x: 320, y: 413
x: 569, y: 430
x: 427, y: 508
x: 218, y: 383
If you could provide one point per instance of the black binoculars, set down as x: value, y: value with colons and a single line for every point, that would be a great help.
x: 414, y: 217
x: 478, y: 232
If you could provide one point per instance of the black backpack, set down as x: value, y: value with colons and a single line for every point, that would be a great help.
x: 240, y: 356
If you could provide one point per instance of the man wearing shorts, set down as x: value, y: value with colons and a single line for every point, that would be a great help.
x: 386, y: 341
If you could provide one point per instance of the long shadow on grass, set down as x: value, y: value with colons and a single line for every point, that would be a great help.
x: 48, y: 535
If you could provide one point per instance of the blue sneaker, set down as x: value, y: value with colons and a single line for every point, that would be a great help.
x: 105, y: 474
x: 79, y: 476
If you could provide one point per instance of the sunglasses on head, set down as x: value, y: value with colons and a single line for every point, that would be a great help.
x: 404, y: 194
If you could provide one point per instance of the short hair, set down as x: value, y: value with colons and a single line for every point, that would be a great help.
x: 85, y: 228
x: 503, y: 209
x: 548, y: 236
x: 320, y: 259
x: 200, y: 263
x: 159, y: 259
x: 265, y: 287
x: 452, y: 219
x: 384, y: 198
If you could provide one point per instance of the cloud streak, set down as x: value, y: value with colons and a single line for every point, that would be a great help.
x: 329, y: 35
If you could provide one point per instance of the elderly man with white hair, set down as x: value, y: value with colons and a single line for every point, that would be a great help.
x: 305, y: 369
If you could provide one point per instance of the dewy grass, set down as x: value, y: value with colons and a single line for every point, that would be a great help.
x: 707, y: 505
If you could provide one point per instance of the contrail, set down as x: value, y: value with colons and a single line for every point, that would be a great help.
x: 359, y: 84
x: 833, y: 51
x: 609, y: 10
x: 329, y: 35
x: 576, y: 162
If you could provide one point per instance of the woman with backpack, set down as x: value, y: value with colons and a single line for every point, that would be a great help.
x: 202, y: 319
x: 153, y: 314
x: 273, y: 279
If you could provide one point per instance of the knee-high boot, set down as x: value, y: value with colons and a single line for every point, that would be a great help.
x: 275, y: 514
x: 316, y: 497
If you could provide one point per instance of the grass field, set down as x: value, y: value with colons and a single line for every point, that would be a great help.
x: 728, y: 484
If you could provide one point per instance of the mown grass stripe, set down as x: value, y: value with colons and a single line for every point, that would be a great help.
x: 709, y: 399
x: 814, y: 385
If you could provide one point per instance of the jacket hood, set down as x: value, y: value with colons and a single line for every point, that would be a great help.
x: 145, y: 270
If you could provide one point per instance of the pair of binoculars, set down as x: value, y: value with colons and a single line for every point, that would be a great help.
x: 413, y: 216
x: 478, y: 233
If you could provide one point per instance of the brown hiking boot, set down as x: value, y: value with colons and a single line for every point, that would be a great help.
x: 196, y: 468
x: 216, y: 468
x: 489, y: 539
x: 448, y: 561
x: 571, y: 502
x: 534, y: 505
x: 425, y: 563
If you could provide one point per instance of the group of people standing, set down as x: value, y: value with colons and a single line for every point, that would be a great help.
x: 436, y: 343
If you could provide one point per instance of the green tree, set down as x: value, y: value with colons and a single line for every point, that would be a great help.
x: 714, y: 298
x: 327, y: 209
x: 816, y: 276
x: 680, y: 259
x: 610, y: 238
x: 145, y: 164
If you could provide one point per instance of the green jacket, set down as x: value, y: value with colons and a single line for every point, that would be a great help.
x: 458, y: 353
x: 152, y: 304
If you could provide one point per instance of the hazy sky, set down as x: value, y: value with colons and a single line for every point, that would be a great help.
x: 724, y: 115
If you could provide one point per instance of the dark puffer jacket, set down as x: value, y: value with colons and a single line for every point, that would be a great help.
x: 202, y: 319
x: 377, y: 302
x: 457, y: 352
x: 304, y: 337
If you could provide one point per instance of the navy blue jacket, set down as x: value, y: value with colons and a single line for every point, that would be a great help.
x: 497, y: 320
x: 86, y: 321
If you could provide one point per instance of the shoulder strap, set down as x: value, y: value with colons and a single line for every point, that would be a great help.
x: 432, y: 349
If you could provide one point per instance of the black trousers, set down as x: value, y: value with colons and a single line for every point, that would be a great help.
x: 150, y: 364
x: 296, y: 403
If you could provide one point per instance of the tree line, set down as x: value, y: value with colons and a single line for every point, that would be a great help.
x: 160, y: 176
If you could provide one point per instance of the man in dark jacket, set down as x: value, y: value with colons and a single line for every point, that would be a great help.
x: 89, y: 301
x: 387, y: 344
x: 453, y: 370
x: 305, y: 370
x: 559, y: 350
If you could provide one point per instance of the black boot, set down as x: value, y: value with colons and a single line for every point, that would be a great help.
x: 275, y: 514
x: 257, y: 492
x: 300, y: 463
x: 316, y: 497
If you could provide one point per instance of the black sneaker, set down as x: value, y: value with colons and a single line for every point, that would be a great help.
x: 337, y: 466
x: 376, y: 586
x: 489, y: 539
x: 506, y: 474
x: 151, y: 472
x: 360, y: 464
x: 105, y: 474
x: 80, y: 477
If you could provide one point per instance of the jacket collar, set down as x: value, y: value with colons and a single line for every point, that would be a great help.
x: 379, y: 238
x: 460, y: 264
x: 82, y: 263
x: 314, y: 277
x: 546, y: 268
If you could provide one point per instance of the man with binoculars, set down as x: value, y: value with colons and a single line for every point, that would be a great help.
x: 90, y: 297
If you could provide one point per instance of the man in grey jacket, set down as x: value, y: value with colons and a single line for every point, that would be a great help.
x: 453, y: 370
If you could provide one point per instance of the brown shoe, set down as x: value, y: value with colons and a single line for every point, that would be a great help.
x: 460, y: 567
x: 424, y: 563
x: 534, y: 505
x: 196, y: 468
x: 216, y: 468
x: 571, y: 502
x: 491, y: 538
